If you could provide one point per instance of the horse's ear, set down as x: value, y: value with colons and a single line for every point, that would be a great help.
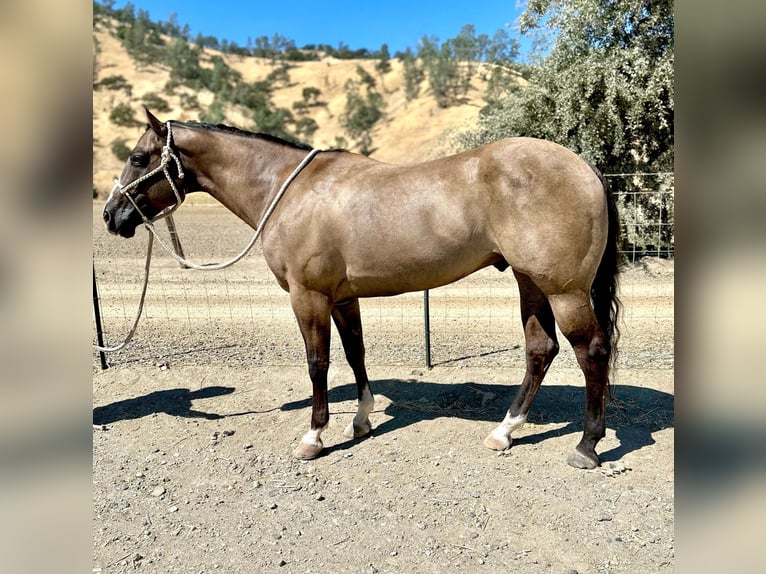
x: 156, y: 125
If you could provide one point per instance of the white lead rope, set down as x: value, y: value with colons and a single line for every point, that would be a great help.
x: 204, y: 267
x: 140, y: 305
x: 267, y: 214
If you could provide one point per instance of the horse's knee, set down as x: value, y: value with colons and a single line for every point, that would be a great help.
x: 318, y: 366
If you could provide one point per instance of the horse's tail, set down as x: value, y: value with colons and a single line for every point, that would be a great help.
x: 603, y: 292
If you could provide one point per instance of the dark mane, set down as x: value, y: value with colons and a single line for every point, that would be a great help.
x: 244, y: 133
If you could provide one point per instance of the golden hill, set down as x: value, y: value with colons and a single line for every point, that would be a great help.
x: 411, y: 131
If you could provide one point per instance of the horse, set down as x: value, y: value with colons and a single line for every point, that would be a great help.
x: 348, y: 226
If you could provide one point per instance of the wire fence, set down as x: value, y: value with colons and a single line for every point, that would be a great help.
x: 240, y: 316
x: 646, y: 205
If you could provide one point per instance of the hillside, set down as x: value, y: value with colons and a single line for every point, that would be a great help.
x: 411, y: 131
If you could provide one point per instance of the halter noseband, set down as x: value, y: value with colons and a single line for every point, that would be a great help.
x: 165, y: 159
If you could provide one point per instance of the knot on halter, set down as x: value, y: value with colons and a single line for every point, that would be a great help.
x: 165, y: 158
x: 167, y: 155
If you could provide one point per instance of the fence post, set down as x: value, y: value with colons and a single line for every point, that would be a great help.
x: 99, y: 330
x: 427, y: 327
x: 176, y: 241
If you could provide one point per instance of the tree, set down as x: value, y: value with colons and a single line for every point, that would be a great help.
x: 467, y: 50
x: 122, y: 115
x: 364, y: 108
x: 215, y: 113
x: 502, y: 70
x: 311, y: 95
x: 183, y: 59
x: 413, y: 74
x: 305, y: 129
x: 605, y: 90
x: 441, y: 68
x: 274, y: 121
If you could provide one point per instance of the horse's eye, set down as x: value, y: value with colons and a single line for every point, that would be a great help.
x: 139, y: 159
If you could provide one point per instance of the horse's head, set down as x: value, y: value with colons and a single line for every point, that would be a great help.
x: 149, y: 184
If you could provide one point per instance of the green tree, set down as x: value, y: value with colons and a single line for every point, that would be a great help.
x: 117, y: 82
x: 122, y: 115
x: 120, y: 149
x: 605, y: 89
x: 467, y: 50
x: 305, y: 128
x: 215, y: 113
x: 413, y: 74
x: 140, y: 36
x: 155, y: 102
x: 280, y: 74
x: 311, y: 96
x: 274, y: 121
x: 441, y: 69
x: 383, y: 65
x: 364, y: 108
x: 183, y: 59
x: 501, y: 54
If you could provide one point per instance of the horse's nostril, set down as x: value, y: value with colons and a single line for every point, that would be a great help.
x: 107, y: 216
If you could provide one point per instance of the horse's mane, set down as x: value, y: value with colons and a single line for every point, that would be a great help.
x: 244, y: 133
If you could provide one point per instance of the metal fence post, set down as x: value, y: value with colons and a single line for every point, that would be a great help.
x: 97, y: 313
x: 427, y: 328
x: 176, y: 241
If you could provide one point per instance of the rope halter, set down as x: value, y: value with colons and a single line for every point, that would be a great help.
x: 165, y: 158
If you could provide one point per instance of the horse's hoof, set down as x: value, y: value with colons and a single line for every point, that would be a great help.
x: 307, y: 451
x: 357, y: 431
x: 580, y: 460
x: 494, y: 443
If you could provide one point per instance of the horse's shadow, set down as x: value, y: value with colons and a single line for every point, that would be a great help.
x: 176, y: 402
x: 634, y: 413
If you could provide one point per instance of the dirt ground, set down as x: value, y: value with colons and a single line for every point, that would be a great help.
x: 193, y: 472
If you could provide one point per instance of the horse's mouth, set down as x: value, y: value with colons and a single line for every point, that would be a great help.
x: 126, y: 231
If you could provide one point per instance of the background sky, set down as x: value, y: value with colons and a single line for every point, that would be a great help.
x: 358, y: 24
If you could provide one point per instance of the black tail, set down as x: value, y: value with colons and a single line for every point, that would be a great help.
x: 603, y: 292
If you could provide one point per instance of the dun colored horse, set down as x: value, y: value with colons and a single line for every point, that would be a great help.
x: 349, y: 227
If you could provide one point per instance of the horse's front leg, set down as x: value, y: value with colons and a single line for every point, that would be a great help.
x: 312, y: 310
x: 349, y: 323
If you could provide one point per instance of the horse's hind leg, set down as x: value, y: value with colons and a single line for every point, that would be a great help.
x: 348, y: 321
x: 541, y: 348
x: 577, y: 321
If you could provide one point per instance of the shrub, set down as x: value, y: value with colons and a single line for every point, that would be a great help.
x: 117, y: 82
x: 214, y: 113
x: 189, y: 101
x: 122, y: 115
x: 155, y: 103
x: 120, y: 149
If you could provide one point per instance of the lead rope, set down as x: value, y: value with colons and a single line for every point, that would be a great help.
x: 267, y: 214
x: 140, y: 305
x: 204, y: 267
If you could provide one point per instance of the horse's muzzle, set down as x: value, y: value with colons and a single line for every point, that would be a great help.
x: 121, y: 221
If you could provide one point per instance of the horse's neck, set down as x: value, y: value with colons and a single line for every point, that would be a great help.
x: 241, y: 173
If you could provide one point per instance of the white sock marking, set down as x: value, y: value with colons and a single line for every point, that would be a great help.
x: 502, y: 432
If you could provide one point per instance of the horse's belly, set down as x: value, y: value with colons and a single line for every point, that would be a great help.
x: 397, y: 273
